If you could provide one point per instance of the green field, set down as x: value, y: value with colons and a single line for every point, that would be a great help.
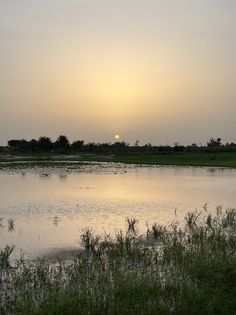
x: 191, y: 159
x: 188, y: 159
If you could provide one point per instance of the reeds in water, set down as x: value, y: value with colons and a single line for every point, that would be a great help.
x: 191, y: 269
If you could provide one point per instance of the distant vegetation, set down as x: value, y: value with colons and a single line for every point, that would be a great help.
x: 214, y: 153
x: 181, y: 270
x: 63, y: 146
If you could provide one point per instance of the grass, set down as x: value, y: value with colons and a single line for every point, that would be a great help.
x: 171, y: 270
x: 188, y: 159
x: 221, y: 159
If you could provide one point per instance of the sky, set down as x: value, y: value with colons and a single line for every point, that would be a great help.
x: 149, y: 70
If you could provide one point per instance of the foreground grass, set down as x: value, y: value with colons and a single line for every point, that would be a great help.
x: 221, y: 159
x: 170, y: 270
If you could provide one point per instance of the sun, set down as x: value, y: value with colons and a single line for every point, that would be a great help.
x: 117, y: 137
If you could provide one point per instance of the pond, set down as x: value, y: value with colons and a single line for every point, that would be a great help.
x: 44, y: 208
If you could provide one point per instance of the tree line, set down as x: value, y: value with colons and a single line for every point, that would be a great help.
x: 62, y: 145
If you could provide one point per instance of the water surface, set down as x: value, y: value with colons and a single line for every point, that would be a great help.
x: 51, y: 205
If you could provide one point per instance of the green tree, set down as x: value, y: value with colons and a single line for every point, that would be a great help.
x: 62, y: 144
x: 77, y: 145
x: 214, y: 142
x: 45, y: 144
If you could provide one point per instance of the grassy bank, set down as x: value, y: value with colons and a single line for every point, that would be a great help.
x: 188, y: 159
x: 222, y: 159
x: 170, y: 270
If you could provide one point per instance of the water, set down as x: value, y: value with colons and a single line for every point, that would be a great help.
x: 51, y: 205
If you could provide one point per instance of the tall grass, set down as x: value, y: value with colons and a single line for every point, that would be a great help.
x: 184, y: 270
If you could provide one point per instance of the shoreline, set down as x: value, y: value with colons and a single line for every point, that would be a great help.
x: 222, y: 159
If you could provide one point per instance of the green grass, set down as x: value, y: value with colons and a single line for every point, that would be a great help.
x: 222, y: 159
x: 170, y: 270
x: 191, y: 159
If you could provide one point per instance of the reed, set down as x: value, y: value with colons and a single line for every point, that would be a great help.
x: 188, y: 269
x: 11, y: 225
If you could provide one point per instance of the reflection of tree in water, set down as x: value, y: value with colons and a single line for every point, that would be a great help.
x: 44, y: 175
x: 55, y: 220
x: 62, y: 176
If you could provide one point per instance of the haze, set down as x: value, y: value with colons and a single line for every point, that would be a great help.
x: 154, y: 71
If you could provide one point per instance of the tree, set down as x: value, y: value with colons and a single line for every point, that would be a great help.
x: 214, y: 142
x: 33, y: 144
x: 45, y: 144
x: 62, y: 144
x: 178, y: 147
x: 120, y: 147
x: 77, y: 145
x: 13, y: 144
x: 19, y: 145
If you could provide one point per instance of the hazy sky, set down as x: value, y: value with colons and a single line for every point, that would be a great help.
x: 157, y: 71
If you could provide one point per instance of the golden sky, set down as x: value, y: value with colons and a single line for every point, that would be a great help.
x: 157, y: 71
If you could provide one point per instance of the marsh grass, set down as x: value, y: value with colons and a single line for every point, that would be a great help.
x: 89, y: 240
x: 11, y: 225
x: 157, y: 231
x: 5, y: 254
x: 188, y: 269
x: 132, y: 226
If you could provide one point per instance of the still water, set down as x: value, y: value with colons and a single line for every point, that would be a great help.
x: 51, y: 205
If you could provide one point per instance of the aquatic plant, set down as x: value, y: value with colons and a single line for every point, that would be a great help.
x: 188, y: 269
x: 89, y: 240
x: 132, y: 225
x: 11, y: 225
x: 191, y: 219
x: 157, y: 231
x: 5, y: 254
